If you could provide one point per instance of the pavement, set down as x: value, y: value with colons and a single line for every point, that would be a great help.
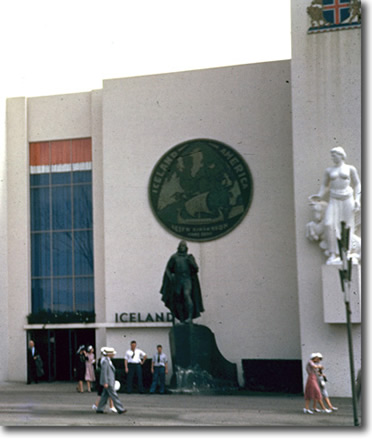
x: 58, y: 404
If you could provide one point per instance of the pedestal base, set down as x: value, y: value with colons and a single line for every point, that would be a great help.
x: 198, y: 365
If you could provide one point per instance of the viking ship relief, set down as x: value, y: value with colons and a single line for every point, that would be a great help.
x: 206, y: 183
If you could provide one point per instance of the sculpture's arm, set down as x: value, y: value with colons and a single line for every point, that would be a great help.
x: 357, y: 186
x: 170, y: 266
x: 193, y: 263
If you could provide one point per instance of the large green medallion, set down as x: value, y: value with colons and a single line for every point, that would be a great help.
x: 200, y: 189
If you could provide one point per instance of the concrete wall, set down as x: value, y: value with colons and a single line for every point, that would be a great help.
x: 98, y: 215
x: 248, y: 277
x: 3, y: 251
x: 18, y: 232
x: 326, y: 104
x: 59, y: 117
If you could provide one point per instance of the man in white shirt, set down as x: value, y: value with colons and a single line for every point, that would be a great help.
x: 159, y: 368
x: 134, y: 358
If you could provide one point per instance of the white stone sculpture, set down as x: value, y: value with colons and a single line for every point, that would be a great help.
x: 338, y: 200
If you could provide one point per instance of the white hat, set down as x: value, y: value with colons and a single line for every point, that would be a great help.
x: 319, y: 355
x: 314, y: 355
x: 107, y: 350
x: 80, y: 349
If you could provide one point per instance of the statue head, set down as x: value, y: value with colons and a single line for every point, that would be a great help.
x: 340, y: 151
x: 182, y: 247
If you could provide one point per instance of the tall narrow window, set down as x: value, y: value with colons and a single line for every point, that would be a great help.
x: 62, y: 263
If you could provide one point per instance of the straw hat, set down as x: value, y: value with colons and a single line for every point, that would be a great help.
x: 107, y: 350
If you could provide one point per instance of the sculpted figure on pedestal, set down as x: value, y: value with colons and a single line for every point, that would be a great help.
x: 181, y: 289
x: 338, y: 200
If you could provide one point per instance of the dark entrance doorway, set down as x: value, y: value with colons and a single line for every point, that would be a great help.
x: 57, y: 348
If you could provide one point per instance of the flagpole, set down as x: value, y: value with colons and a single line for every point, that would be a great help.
x: 345, y: 278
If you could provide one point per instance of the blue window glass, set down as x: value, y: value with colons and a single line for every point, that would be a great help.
x: 62, y: 257
x: 61, y: 208
x: 41, y: 295
x: 83, y: 212
x: 62, y: 295
x: 61, y: 177
x: 84, y: 294
x: 40, y: 254
x: 82, y: 176
x: 40, y: 209
x: 62, y: 253
x: 83, y: 252
x: 39, y: 179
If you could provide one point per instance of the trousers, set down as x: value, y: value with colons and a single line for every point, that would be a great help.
x: 159, y: 375
x: 107, y: 393
x: 134, y: 369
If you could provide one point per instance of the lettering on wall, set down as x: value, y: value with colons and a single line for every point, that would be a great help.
x: 138, y: 317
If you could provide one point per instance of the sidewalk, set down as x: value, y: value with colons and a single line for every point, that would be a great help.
x: 58, y: 404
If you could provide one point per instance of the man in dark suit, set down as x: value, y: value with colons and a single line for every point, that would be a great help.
x: 32, y: 354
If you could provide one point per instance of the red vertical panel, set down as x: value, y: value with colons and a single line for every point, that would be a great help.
x: 61, y: 152
x: 39, y: 153
x: 81, y: 150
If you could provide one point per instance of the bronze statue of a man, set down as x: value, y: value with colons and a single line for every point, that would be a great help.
x: 181, y: 289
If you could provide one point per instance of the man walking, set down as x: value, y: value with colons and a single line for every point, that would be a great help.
x: 133, y: 360
x: 159, y: 368
x: 107, y: 380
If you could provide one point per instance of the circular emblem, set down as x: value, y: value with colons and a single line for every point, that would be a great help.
x: 200, y: 189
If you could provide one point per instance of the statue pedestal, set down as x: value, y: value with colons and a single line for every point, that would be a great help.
x: 333, y: 297
x: 198, y: 365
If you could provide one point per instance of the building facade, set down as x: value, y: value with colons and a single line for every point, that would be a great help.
x: 83, y: 254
